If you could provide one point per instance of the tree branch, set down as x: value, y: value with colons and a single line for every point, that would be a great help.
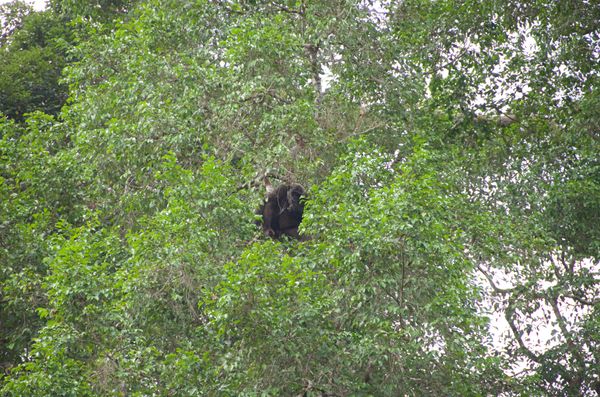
x: 508, y: 315
x: 489, y: 278
x: 312, y: 52
x: 562, y: 324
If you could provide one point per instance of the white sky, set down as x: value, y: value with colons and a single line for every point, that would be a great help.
x: 37, y: 4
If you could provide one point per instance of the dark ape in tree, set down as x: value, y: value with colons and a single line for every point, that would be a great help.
x: 282, y: 211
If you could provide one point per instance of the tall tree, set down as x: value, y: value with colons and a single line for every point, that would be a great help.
x: 34, y: 49
x: 450, y: 149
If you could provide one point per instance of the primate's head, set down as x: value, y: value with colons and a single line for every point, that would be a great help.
x: 294, y: 193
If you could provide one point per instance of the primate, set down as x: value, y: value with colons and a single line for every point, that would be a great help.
x: 282, y: 210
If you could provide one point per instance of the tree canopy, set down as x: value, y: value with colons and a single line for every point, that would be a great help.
x: 34, y: 49
x: 450, y: 150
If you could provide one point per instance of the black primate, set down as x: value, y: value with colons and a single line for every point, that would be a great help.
x: 282, y: 211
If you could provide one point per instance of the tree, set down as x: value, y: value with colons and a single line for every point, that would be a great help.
x: 453, y: 182
x: 34, y: 51
x: 39, y: 188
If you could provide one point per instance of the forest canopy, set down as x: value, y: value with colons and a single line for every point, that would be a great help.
x: 450, y: 230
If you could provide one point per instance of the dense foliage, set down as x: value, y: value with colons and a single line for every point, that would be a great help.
x: 452, y: 153
x: 33, y: 48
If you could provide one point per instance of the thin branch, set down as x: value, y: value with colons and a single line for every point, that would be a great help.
x: 489, y: 278
x: 312, y: 52
x: 288, y: 10
x: 450, y: 62
x: 582, y: 300
x: 258, y: 181
x: 379, y: 125
x: 508, y: 315
x: 229, y: 9
x: 562, y: 324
